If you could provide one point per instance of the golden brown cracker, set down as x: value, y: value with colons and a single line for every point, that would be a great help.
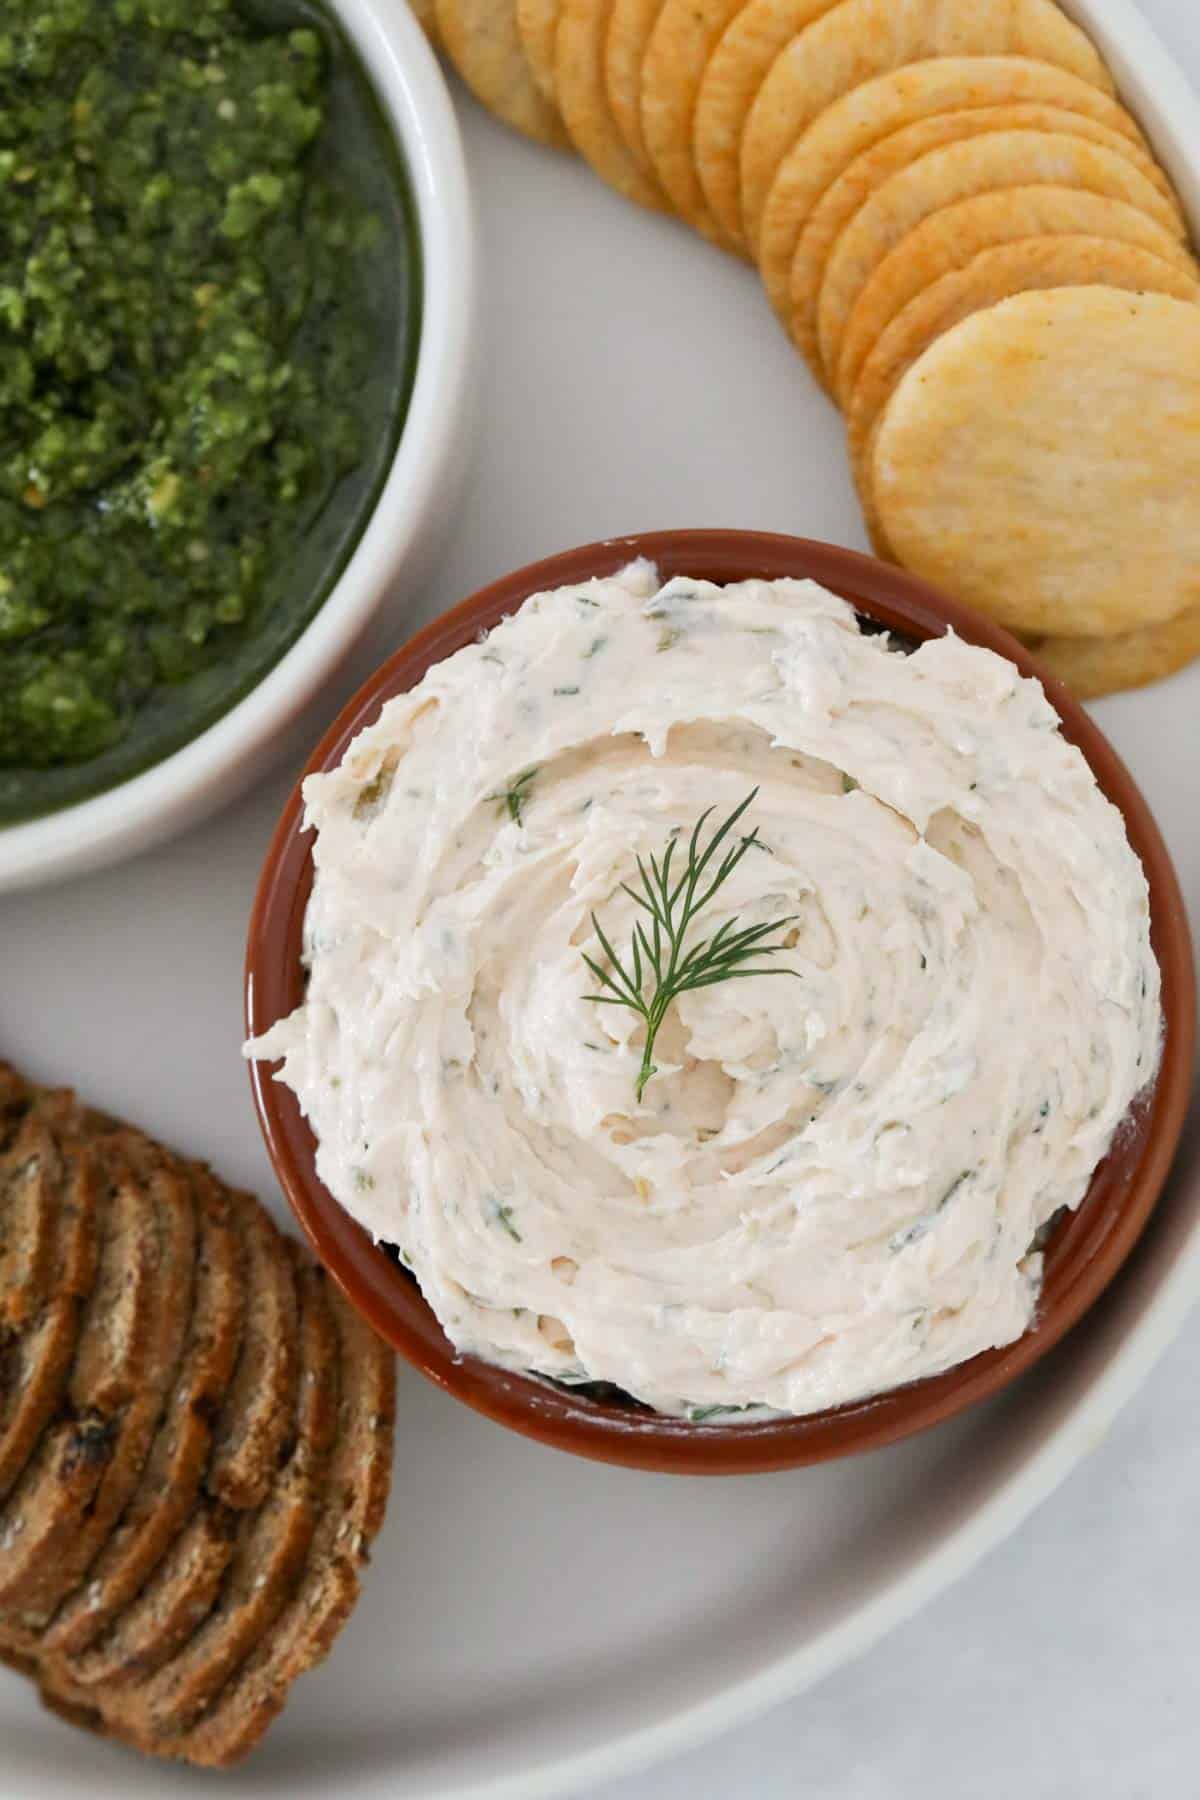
x: 630, y: 28
x: 537, y: 26
x: 766, y: 84
x: 752, y: 38
x: 425, y: 13
x: 1041, y: 461
x: 976, y: 165
x: 685, y: 35
x: 1093, y: 667
x: 995, y: 275
x: 868, y: 172
x: 579, y: 82
x: 873, y: 111
x: 952, y: 237
x: 482, y: 41
x: 992, y: 276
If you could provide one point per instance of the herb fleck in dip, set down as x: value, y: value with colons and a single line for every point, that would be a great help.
x: 206, y: 300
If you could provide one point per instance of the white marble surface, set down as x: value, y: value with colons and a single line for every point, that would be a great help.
x: 634, y: 379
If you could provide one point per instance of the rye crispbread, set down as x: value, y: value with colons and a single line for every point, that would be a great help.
x: 196, y: 1436
x: 179, y: 1456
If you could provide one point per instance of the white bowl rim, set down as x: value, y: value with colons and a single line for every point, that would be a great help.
x: 129, y: 816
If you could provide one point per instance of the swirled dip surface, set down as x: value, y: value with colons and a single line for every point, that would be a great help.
x: 834, y: 1185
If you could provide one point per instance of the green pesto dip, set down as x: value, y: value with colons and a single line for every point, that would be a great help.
x: 209, y: 290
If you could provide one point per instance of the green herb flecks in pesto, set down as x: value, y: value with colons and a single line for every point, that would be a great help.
x: 206, y: 310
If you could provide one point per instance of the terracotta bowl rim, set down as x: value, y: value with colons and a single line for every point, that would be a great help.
x: 1085, y: 1253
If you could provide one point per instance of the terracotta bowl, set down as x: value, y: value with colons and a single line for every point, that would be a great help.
x: 1083, y: 1255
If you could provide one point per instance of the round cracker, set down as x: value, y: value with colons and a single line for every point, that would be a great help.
x: 954, y: 235
x: 856, y: 184
x: 864, y: 38
x: 483, y: 43
x: 992, y: 276
x: 863, y: 470
x: 1041, y: 460
x: 754, y: 35
x: 1092, y: 667
x: 425, y: 13
x: 875, y: 110
x: 973, y: 166
x: 685, y: 36
x: 537, y: 26
x: 583, y: 102
x: 629, y: 32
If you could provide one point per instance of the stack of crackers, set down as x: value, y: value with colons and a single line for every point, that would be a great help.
x: 969, y: 240
x: 195, y: 1438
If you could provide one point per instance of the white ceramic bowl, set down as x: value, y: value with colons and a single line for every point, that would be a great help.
x: 402, y: 532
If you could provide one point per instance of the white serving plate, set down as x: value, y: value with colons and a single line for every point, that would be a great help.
x: 532, y: 1624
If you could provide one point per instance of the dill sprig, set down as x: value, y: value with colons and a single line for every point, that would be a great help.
x: 657, y: 950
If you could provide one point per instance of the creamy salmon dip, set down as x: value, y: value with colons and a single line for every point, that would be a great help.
x: 836, y: 1182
